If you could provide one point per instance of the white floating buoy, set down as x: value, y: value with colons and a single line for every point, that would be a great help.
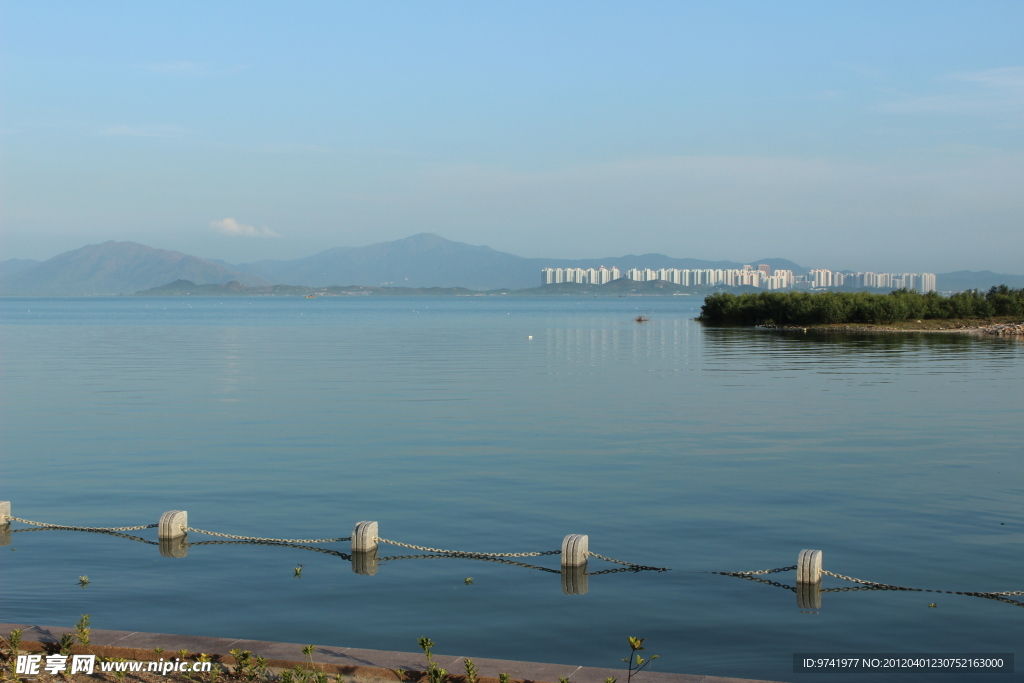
x: 5, y: 522
x: 364, y: 537
x: 808, y: 566
x: 530, y: 336
x: 575, y: 548
x: 172, y: 524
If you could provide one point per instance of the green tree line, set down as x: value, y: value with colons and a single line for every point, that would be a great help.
x: 805, y: 308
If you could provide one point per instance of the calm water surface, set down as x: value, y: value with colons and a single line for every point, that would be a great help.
x: 669, y: 444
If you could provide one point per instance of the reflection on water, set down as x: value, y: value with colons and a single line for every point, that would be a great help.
x: 363, y: 562
x: 493, y: 424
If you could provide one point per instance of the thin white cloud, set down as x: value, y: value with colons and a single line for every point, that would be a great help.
x: 157, y: 131
x: 1008, y: 77
x: 229, y: 226
x: 193, y: 69
x: 991, y: 91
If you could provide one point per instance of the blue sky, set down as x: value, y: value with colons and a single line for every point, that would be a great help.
x: 878, y: 136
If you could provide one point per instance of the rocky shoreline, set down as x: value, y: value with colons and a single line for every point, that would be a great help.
x: 996, y: 329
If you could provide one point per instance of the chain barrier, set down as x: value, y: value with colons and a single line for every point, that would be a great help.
x: 268, y: 540
x: 465, y: 552
x: 501, y: 558
x: 83, y: 528
x: 463, y: 556
x: 757, y: 572
x: 1000, y: 596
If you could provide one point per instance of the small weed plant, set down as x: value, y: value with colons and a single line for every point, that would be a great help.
x: 249, y: 669
x: 10, y: 647
x: 435, y: 674
x: 635, y: 662
x: 82, y: 631
x: 308, y: 651
x: 67, y: 641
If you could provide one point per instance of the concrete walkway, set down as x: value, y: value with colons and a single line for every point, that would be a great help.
x: 360, y: 664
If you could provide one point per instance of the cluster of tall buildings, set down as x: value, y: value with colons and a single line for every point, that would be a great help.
x: 762, y: 277
x: 922, y: 282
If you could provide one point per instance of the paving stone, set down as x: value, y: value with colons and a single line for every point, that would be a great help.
x: 355, y: 657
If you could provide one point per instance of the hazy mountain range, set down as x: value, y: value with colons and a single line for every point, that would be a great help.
x: 424, y: 260
x: 112, y: 268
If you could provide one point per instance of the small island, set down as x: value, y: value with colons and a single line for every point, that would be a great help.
x: 1000, y: 310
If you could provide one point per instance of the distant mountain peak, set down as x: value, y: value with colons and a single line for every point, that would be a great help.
x: 116, y: 268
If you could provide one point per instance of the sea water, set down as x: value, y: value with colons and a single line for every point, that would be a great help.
x: 499, y: 424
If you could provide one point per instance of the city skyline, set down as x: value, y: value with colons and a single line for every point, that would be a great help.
x: 763, y: 276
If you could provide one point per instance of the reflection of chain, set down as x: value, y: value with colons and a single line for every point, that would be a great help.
x: 83, y: 528
x: 748, y: 577
x: 468, y: 556
x: 628, y: 564
x: 91, y: 531
x: 280, y: 545
x: 465, y: 552
x: 269, y: 540
x: 885, y: 586
x: 635, y: 568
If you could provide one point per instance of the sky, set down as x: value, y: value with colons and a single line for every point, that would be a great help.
x: 885, y: 136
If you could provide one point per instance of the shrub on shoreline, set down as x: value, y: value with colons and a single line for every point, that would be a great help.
x: 805, y: 308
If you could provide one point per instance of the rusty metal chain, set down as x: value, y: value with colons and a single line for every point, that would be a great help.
x: 464, y: 556
x: 758, y: 572
x: 465, y: 552
x: 268, y: 540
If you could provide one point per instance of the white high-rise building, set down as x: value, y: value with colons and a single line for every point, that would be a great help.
x: 747, y: 277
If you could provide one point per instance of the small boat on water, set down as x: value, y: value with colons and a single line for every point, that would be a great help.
x: 311, y: 296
